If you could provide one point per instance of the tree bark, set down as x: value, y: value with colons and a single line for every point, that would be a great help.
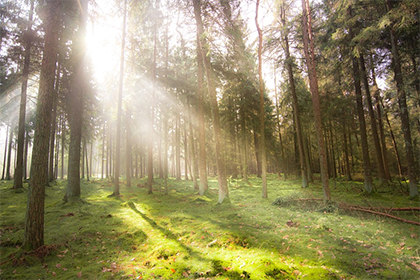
x: 262, y: 108
x: 309, y: 50
x: 402, y: 103
x: 377, y: 144
x: 18, y: 175
x: 5, y: 152
x: 117, y: 158
x: 221, y: 169
x: 76, y: 110
x: 34, y: 220
x: 288, y: 62
x: 128, y: 149
x: 9, y: 155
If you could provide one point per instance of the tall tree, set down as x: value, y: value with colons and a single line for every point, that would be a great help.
x: 75, y: 116
x: 211, y: 87
x: 309, y: 50
x: 402, y: 103
x: 18, y: 175
x: 119, y: 108
x: 296, y: 110
x: 34, y: 220
x: 262, y: 109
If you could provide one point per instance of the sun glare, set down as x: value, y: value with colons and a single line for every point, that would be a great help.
x: 104, y: 42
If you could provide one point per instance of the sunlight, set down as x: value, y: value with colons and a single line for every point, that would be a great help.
x: 104, y: 42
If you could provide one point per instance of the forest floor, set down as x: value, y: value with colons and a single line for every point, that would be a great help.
x: 182, y: 235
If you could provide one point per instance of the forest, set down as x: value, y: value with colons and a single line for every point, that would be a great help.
x: 209, y: 139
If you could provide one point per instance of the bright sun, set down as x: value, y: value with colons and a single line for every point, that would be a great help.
x: 104, y: 42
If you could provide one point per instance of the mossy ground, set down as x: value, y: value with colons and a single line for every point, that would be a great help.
x: 184, y: 236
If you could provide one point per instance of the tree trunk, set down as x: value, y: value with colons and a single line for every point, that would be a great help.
x: 75, y: 117
x: 103, y: 149
x: 63, y: 142
x: 313, y: 84
x: 152, y: 119
x: 288, y: 62
x: 262, y: 108
x: 53, y: 127
x: 119, y: 110
x: 378, y: 150
x: 18, y: 175
x: 9, y: 155
x: 25, y: 156
x: 221, y: 169
x: 5, y: 152
x: 34, y: 220
x: 201, y: 101
x: 379, y: 109
x: 362, y: 127
x: 87, y: 161
x: 128, y: 149
x: 193, y: 157
x: 178, y: 145
x: 402, y: 103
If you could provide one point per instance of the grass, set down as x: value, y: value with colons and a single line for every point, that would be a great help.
x: 184, y: 236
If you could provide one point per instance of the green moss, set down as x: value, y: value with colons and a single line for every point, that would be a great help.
x: 183, y: 235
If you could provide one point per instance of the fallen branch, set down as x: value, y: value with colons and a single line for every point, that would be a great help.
x: 386, y: 215
x: 387, y: 209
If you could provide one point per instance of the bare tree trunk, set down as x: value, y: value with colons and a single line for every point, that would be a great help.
x: 76, y: 111
x: 9, y: 155
x: 362, y: 123
x: 288, y: 62
x: 377, y: 144
x: 119, y: 109
x: 379, y: 109
x: 313, y: 84
x: 63, y: 141
x: 25, y: 157
x: 34, y: 220
x: 5, y: 152
x: 128, y: 149
x: 221, y: 169
x: 152, y: 120
x: 18, y: 183
x: 402, y: 103
x: 201, y: 100
x: 53, y: 127
x: 262, y: 108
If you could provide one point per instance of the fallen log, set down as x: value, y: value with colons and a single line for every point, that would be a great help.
x: 386, y: 215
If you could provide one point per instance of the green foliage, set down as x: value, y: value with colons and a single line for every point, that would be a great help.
x: 185, y: 236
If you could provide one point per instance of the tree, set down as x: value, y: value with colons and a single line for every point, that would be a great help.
x: 34, y: 220
x: 17, y: 183
x: 262, y: 110
x: 202, y: 46
x: 119, y: 108
x: 78, y: 91
x: 402, y: 103
x: 309, y: 50
x: 296, y: 111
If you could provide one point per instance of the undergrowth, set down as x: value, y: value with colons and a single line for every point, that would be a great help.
x: 291, y: 235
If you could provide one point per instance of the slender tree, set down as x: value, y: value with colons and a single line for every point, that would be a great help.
x: 34, y: 221
x: 402, y: 103
x: 117, y: 158
x: 75, y: 114
x: 18, y: 175
x: 220, y: 163
x: 309, y: 50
